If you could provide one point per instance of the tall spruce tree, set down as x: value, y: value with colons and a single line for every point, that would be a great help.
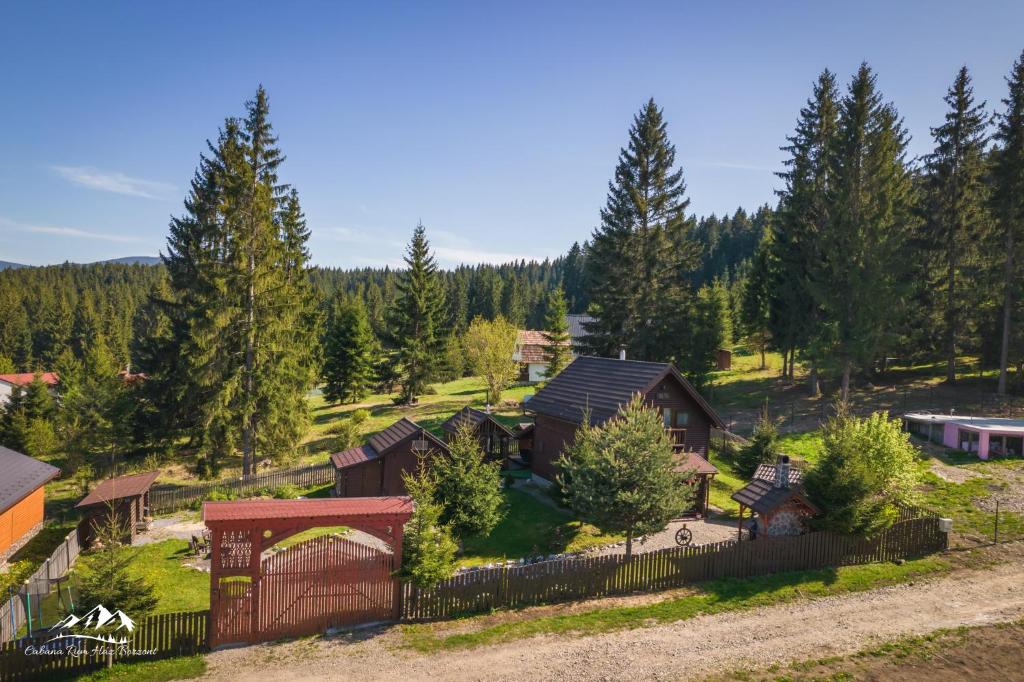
x: 1008, y: 196
x: 798, y: 224
x: 349, y: 357
x: 557, y: 348
x: 957, y: 211
x: 417, y: 321
x: 755, y: 305
x: 858, y: 281
x: 639, y: 260
x: 237, y: 268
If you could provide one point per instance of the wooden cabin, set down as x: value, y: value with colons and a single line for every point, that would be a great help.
x: 22, y: 483
x: 496, y: 440
x: 125, y: 496
x: 376, y: 467
x: 598, y: 387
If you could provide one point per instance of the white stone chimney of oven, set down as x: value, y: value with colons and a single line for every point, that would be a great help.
x: 782, y: 472
x: 622, y: 353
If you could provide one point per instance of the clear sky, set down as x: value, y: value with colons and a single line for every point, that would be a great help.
x: 496, y: 124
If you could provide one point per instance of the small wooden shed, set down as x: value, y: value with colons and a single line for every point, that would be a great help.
x: 724, y: 358
x: 125, y: 496
x: 776, y: 496
x: 496, y: 440
x: 375, y: 468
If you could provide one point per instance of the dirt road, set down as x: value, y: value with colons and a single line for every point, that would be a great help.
x: 683, y: 650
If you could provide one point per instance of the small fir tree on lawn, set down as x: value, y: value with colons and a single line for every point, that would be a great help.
x: 868, y: 469
x: 428, y: 548
x: 557, y: 351
x: 489, y: 347
x: 621, y: 476
x: 468, y: 487
x: 105, y: 576
x: 763, y: 447
x: 349, y: 352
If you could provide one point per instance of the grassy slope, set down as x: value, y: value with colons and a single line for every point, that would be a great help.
x: 716, y: 596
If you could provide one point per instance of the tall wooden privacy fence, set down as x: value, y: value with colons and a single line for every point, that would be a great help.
x: 14, y: 614
x: 164, y: 498
x: 588, y: 577
x: 161, y: 636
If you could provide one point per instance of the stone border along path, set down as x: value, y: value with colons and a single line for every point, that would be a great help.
x: 684, y: 650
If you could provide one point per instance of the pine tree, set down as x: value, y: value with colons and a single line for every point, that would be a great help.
x: 237, y: 268
x: 573, y: 279
x: 15, y: 334
x: 92, y: 411
x: 418, y: 317
x: 755, y: 307
x: 859, y: 280
x: 468, y: 487
x: 428, y: 548
x: 957, y: 215
x: 557, y: 349
x: 710, y: 329
x: 1008, y: 203
x: 639, y: 258
x: 349, y: 357
x: 798, y: 224
x: 621, y: 476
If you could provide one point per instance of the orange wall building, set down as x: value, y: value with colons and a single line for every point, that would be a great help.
x: 22, y: 480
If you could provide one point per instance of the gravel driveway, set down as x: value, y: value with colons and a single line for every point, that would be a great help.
x: 705, y: 532
x: 684, y: 650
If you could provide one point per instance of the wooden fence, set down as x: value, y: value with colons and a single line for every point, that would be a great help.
x: 160, y: 636
x: 588, y: 577
x: 13, y: 614
x: 164, y: 498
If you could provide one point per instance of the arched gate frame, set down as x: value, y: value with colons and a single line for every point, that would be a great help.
x: 241, y: 530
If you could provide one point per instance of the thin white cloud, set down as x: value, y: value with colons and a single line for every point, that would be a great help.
x: 449, y: 247
x: 735, y: 166
x: 69, y: 232
x: 118, y: 183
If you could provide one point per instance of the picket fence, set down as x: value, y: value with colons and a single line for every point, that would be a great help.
x: 166, y: 635
x: 166, y: 498
x: 548, y: 582
x: 13, y: 616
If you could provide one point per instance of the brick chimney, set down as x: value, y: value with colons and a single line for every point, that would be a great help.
x: 622, y: 353
x: 782, y: 472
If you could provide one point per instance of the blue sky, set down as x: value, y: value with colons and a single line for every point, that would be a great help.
x: 496, y: 124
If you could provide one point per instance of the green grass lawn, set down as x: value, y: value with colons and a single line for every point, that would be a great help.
x: 182, y: 668
x: 724, y: 484
x: 310, y: 534
x: 531, y: 527
x: 960, y: 502
x: 806, y: 446
x: 716, y: 596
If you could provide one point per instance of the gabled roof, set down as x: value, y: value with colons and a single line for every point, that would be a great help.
x: 382, y: 442
x: 473, y: 418
x: 602, y: 385
x: 530, y: 345
x: 25, y: 378
x: 691, y: 461
x: 578, y: 327
x: 119, y: 487
x: 264, y: 510
x: 20, y: 476
x: 762, y: 496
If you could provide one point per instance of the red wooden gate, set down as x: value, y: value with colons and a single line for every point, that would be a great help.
x: 323, y: 583
x: 318, y: 584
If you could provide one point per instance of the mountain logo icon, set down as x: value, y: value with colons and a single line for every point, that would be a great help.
x: 100, y: 621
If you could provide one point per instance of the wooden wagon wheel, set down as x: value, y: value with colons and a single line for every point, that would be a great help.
x: 684, y: 536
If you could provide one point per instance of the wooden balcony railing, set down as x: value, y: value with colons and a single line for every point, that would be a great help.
x: 677, y: 438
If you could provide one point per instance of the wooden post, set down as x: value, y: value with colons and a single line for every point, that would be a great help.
x: 396, y: 533
x: 739, y: 526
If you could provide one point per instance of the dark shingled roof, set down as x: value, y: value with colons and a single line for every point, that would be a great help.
x: 119, y: 487
x: 602, y: 385
x: 474, y: 418
x: 691, y: 461
x: 762, y: 496
x: 380, y: 443
x: 20, y: 475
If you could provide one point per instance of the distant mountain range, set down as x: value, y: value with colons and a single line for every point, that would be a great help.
x: 127, y: 260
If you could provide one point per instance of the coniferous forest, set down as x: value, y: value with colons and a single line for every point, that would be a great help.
x: 867, y: 255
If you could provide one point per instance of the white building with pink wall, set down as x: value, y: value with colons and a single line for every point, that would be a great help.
x: 984, y: 436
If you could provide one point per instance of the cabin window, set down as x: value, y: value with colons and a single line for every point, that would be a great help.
x: 682, y: 419
x: 666, y: 417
